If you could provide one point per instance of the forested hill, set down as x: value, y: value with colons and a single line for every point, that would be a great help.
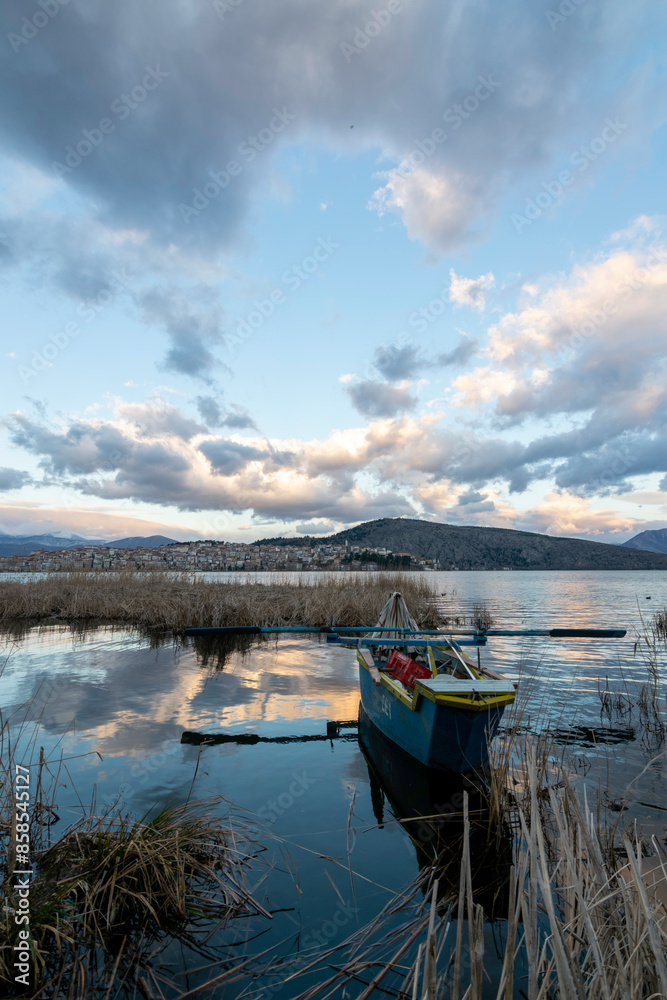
x: 649, y: 541
x: 486, y: 548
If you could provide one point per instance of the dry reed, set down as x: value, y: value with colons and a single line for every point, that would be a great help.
x: 111, y: 880
x: 584, y: 908
x: 581, y: 923
x: 170, y: 601
x: 112, y: 891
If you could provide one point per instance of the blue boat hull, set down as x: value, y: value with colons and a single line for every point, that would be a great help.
x: 450, y: 739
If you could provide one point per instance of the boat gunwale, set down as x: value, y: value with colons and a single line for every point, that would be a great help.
x: 460, y: 702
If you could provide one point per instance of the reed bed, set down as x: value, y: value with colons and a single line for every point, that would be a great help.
x: 582, y: 923
x: 110, y: 894
x: 170, y: 601
x: 581, y: 914
x: 113, y: 888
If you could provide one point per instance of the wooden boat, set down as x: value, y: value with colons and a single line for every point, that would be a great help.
x: 444, y: 714
x: 418, y: 687
x: 428, y: 803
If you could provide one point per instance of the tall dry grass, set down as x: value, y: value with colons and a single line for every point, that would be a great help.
x: 165, y: 600
x: 110, y: 892
x: 582, y: 923
x: 585, y: 913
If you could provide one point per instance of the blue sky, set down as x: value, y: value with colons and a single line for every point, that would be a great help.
x: 284, y: 267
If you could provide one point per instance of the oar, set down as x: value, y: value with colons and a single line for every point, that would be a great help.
x: 562, y: 633
x: 328, y: 629
x: 554, y: 633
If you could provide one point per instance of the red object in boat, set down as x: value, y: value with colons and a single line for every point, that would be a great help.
x: 406, y: 670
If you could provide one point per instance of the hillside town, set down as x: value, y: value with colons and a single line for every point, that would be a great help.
x: 214, y: 556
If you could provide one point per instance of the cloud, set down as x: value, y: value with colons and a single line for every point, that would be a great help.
x: 379, y: 399
x: 559, y: 397
x: 317, y: 528
x: 470, y: 291
x: 396, y: 362
x: 91, y: 522
x: 156, y: 418
x: 13, y: 479
x: 192, y: 332
x: 228, y: 457
x: 567, y: 514
x: 459, y: 355
x: 209, y: 410
x: 233, y: 93
x: 221, y: 85
x: 438, y: 210
x: 235, y: 417
x: 589, y: 350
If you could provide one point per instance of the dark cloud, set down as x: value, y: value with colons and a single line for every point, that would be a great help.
x: 193, y: 332
x: 236, y: 417
x: 401, y: 362
x: 610, y: 467
x: 460, y: 355
x: 378, y: 399
x: 228, y: 457
x: 209, y: 410
x: 222, y: 80
x: 108, y: 462
x: 471, y: 496
x: 397, y: 362
x: 13, y: 479
x: 80, y: 450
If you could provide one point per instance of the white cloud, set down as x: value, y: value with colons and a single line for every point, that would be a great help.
x: 470, y: 291
x: 437, y: 209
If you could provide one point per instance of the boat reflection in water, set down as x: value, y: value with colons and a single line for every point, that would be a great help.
x: 411, y: 791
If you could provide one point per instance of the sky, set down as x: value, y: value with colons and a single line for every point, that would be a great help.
x: 278, y: 267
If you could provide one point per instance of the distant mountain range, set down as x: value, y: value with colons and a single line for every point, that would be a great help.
x: 15, y: 545
x: 649, y: 541
x: 453, y: 546
x: 489, y: 548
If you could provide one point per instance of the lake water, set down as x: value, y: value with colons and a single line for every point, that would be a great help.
x: 327, y: 805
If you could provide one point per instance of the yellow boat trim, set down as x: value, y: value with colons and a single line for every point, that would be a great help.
x: 461, y: 702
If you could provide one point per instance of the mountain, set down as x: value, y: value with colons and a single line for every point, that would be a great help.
x: 16, y: 545
x: 139, y: 542
x: 488, y: 548
x: 649, y: 541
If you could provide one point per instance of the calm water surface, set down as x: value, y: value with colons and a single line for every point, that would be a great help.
x: 128, y: 699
